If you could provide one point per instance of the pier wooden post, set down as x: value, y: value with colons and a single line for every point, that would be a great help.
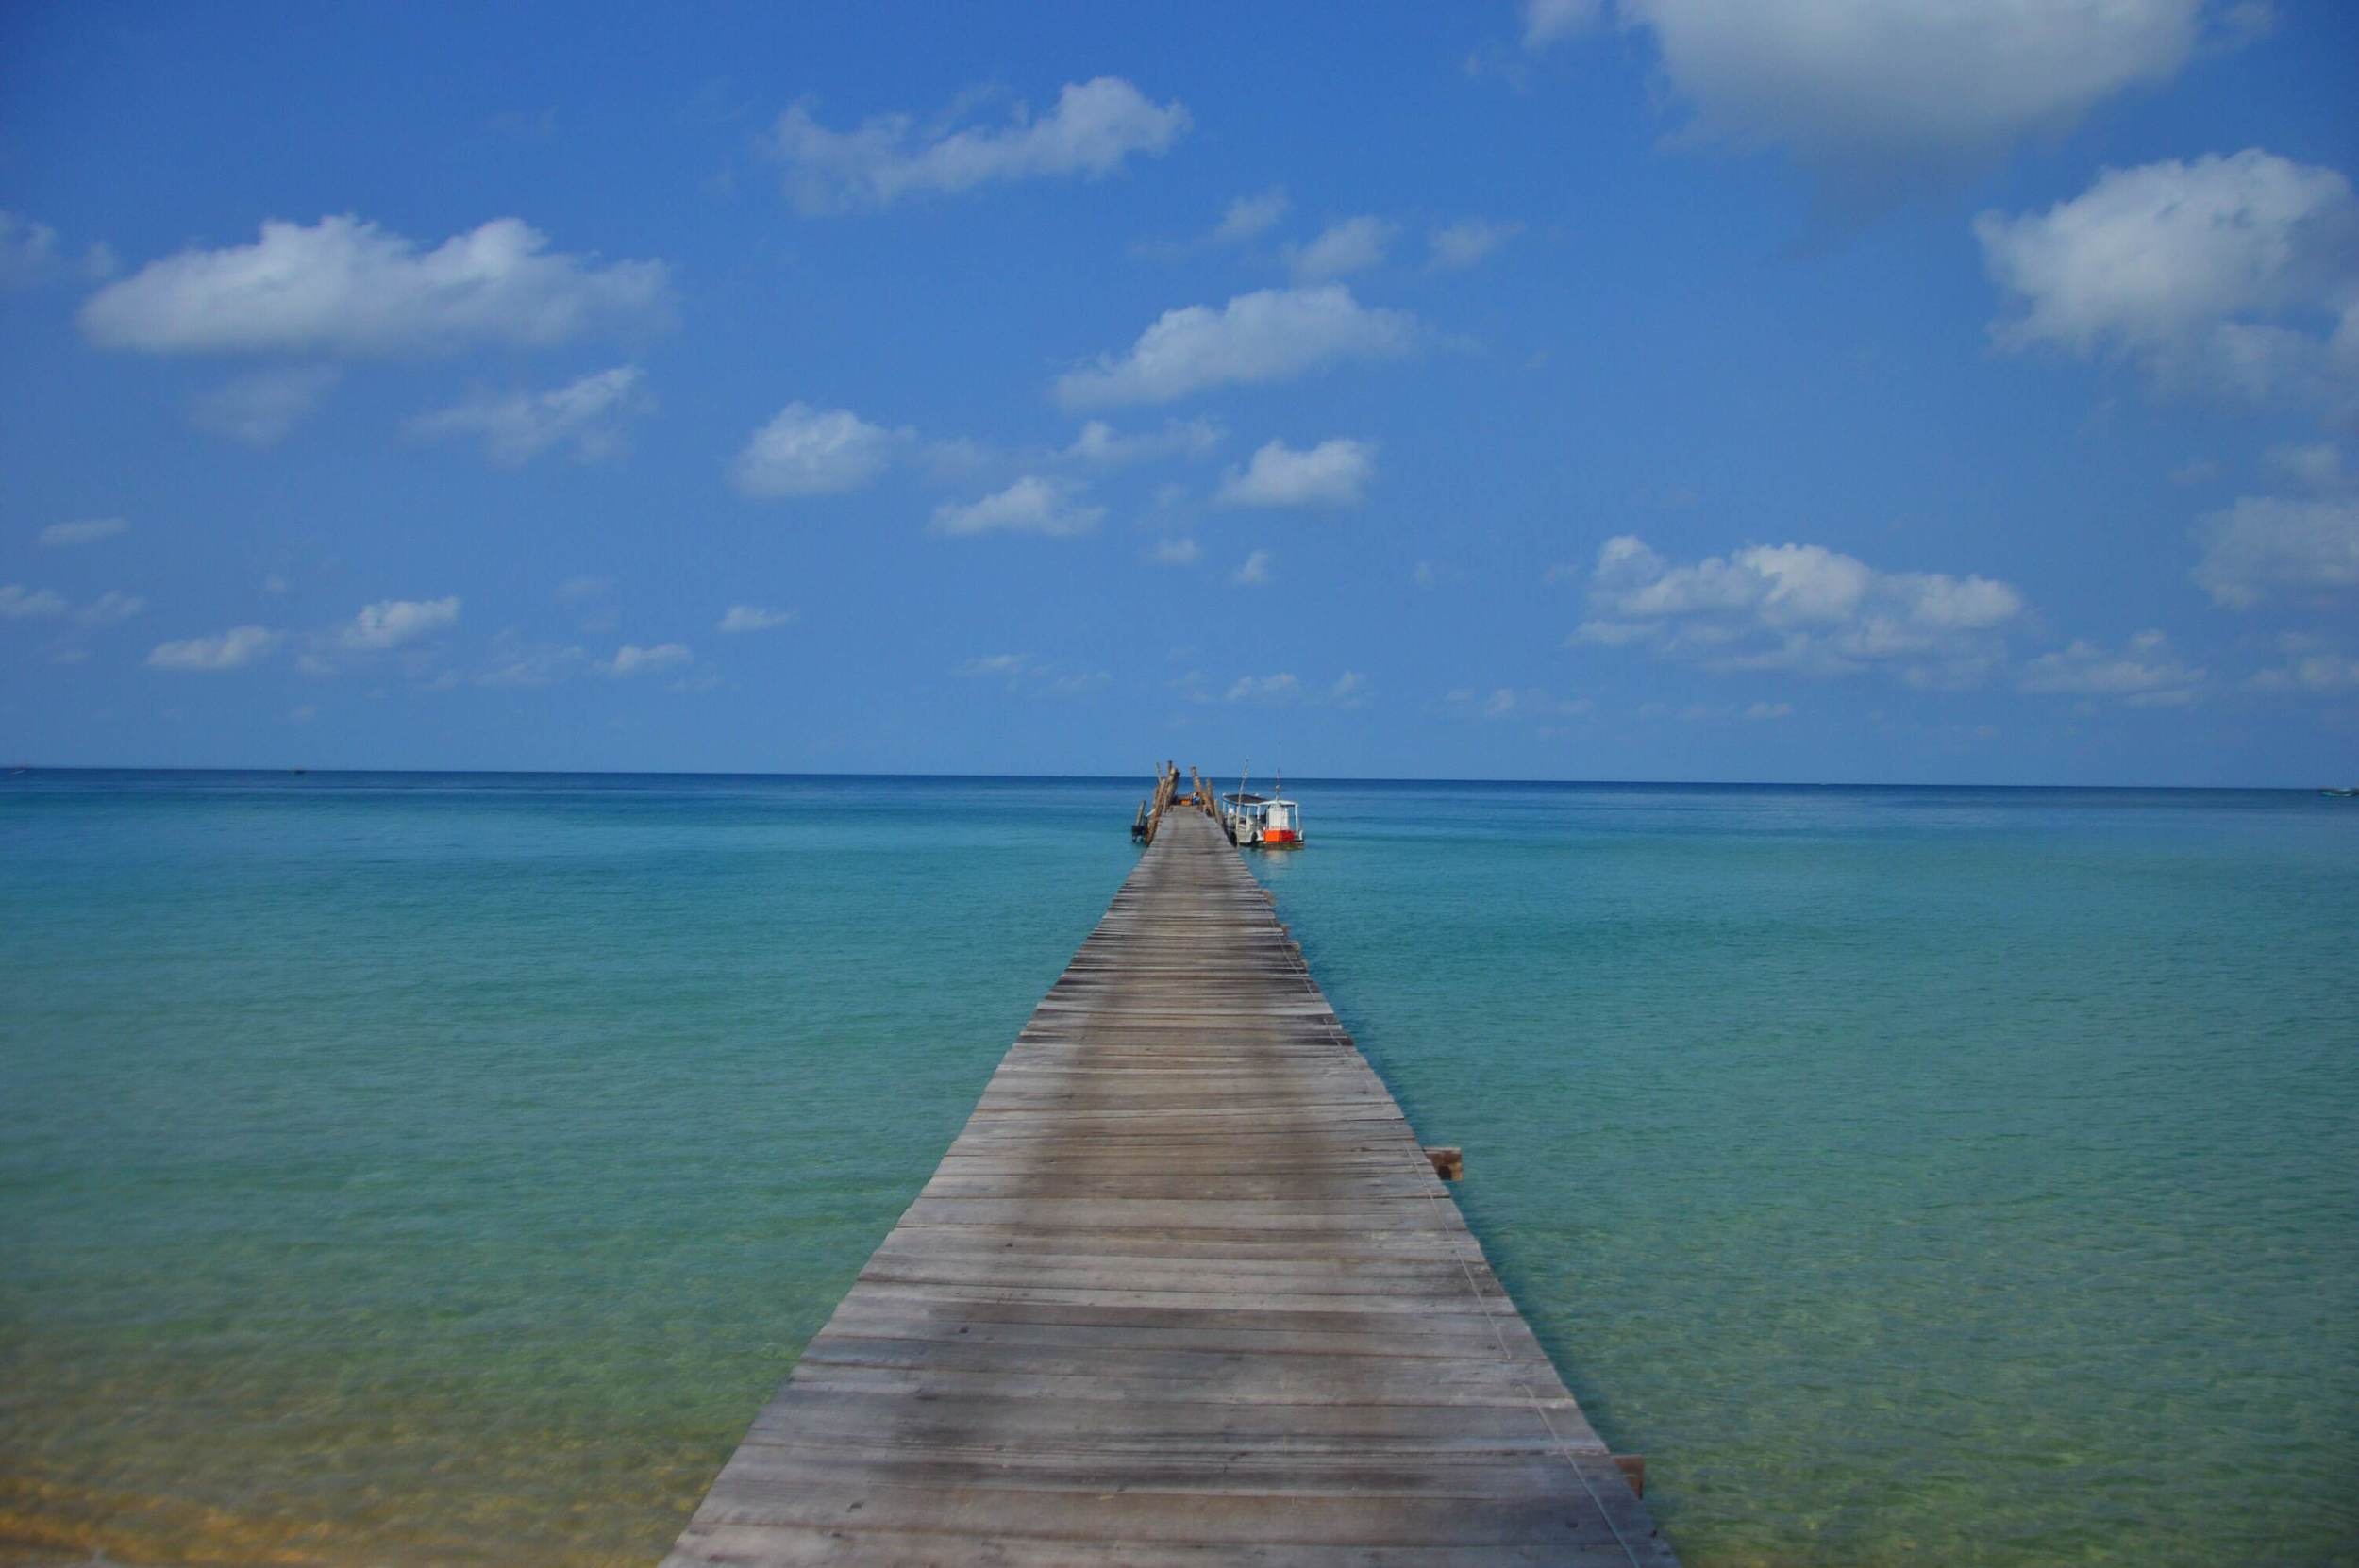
x: 1185, y: 1292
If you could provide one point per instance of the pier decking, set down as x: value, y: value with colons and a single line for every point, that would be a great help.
x: 1186, y: 1290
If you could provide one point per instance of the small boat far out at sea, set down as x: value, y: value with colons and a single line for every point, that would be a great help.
x: 1261, y: 822
x: 2332, y: 793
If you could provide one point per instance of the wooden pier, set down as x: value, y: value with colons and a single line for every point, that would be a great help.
x: 1186, y: 1290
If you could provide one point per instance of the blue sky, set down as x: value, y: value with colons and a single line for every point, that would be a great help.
x: 1637, y: 389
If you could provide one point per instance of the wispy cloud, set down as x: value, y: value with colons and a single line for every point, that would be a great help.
x: 1249, y: 217
x: 1091, y: 130
x: 1334, y: 474
x: 2144, y: 671
x: 584, y: 416
x: 631, y: 659
x: 1256, y: 571
x: 1350, y: 246
x: 109, y: 608
x: 1100, y: 445
x: 1454, y: 247
x: 807, y: 451
x: 1281, y: 687
x: 518, y: 662
x: 1023, y: 674
x: 86, y: 532
x: 262, y: 407
x: 342, y: 286
x: 1243, y: 221
x: 19, y: 603
x: 2312, y: 664
x: 233, y: 649
x: 32, y: 254
x: 749, y: 618
x: 2268, y: 546
x: 1500, y: 703
x: 1271, y: 335
x: 1032, y: 505
x: 392, y: 623
x: 1546, y: 22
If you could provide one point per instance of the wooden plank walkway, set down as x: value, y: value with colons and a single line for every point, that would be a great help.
x: 1184, y: 1291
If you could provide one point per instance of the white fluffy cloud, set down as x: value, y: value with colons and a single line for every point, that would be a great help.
x: 260, y: 409
x: 1800, y: 607
x: 2144, y: 671
x: 2236, y: 273
x: 585, y: 416
x: 1352, y: 246
x: 233, y: 649
x: 1332, y: 474
x: 746, y: 617
x: 1032, y: 505
x: 342, y: 286
x: 807, y: 451
x: 1093, y: 127
x: 2267, y: 544
x: 1457, y: 247
x: 1255, y: 573
x: 1875, y: 88
x: 1269, y: 335
x: 84, y: 531
x: 390, y: 622
x: 631, y: 659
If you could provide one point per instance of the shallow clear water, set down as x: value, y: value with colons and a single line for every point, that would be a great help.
x: 411, y: 1169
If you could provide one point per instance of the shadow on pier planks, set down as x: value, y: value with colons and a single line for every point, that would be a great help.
x: 1186, y: 1291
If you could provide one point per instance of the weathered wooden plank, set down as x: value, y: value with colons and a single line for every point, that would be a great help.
x: 1186, y: 1291
x: 714, y: 1545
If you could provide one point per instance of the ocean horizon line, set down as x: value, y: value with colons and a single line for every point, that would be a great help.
x: 1414, y: 780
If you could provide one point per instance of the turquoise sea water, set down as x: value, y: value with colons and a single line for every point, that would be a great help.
x: 405, y: 1170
